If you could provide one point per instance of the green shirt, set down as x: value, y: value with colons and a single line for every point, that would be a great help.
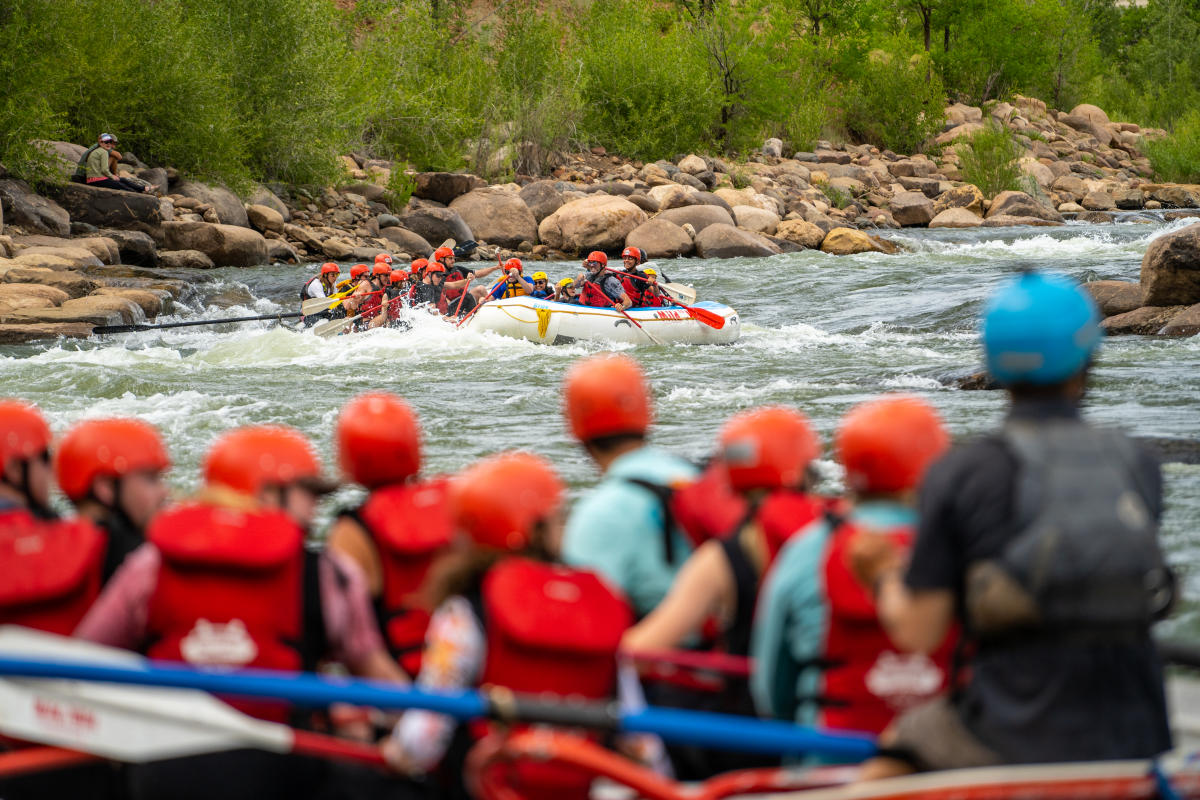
x: 97, y: 165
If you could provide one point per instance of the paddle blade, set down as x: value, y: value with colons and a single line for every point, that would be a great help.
x: 679, y: 293
x: 316, y: 305
x: 332, y: 327
x: 707, y: 317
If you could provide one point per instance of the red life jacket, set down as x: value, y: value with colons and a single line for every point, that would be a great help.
x: 593, y: 295
x: 633, y: 287
x: 50, y: 571
x: 868, y: 679
x: 370, y: 306
x: 651, y: 300
x: 455, y: 274
x: 230, y: 592
x: 411, y: 528
x: 551, y: 629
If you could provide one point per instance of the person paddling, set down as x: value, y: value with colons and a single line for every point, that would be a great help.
x: 601, y: 288
x: 633, y: 279
x: 323, y: 284
x: 513, y: 284
x: 397, y: 301
x: 456, y: 280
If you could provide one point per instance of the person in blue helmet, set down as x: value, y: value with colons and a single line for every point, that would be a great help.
x: 1041, y: 541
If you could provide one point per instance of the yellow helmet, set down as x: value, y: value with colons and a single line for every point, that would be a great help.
x: 651, y: 271
x: 565, y: 282
x: 540, y: 276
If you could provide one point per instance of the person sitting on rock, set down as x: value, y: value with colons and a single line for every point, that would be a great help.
x: 541, y: 285
x: 98, y: 170
x: 566, y: 292
x: 601, y: 288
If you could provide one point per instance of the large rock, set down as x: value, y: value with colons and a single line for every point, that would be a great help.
x: 543, y: 198
x: 967, y: 196
x: 73, y: 283
x: 109, y: 208
x: 710, y: 199
x: 911, y: 209
x: 17, y: 304
x: 1091, y: 112
x: 966, y: 130
x: 497, y: 217
x: 955, y: 218
x: 263, y: 196
x: 756, y: 219
x: 57, y: 258
x: 660, y: 238
x: 726, y: 241
x: 1145, y: 321
x: 1070, y: 184
x: 435, y: 224
x: 693, y: 164
x: 184, y: 259
x: 443, y: 187
x: 407, y: 241
x: 1009, y: 221
x: 134, y: 247
x: 34, y: 213
x: 149, y: 301
x: 1185, y: 323
x: 229, y: 208
x: 128, y: 310
x: 1019, y: 204
x: 848, y: 241
x: 32, y: 332
x: 1115, y: 297
x: 1088, y: 126
x: 672, y: 195
x: 598, y: 222
x: 1171, y: 269
x: 156, y: 177
x: 801, y: 232
x: 1098, y: 201
x: 699, y: 217
x: 46, y: 296
x: 264, y: 218
x: 64, y: 156
x: 1173, y: 196
x: 102, y: 247
x: 226, y: 245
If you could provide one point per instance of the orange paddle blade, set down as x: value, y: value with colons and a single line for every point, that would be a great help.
x: 707, y: 317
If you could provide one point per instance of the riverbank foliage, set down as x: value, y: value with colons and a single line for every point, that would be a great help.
x: 277, y: 89
x: 989, y: 161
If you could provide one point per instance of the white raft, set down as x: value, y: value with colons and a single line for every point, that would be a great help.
x: 549, y: 322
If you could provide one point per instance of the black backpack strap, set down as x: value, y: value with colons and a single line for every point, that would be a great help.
x: 314, y: 639
x: 663, y: 494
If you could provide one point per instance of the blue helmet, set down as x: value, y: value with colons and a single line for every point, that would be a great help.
x: 1039, y: 328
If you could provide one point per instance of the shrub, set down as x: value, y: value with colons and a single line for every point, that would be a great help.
x: 895, y: 103
x: 989, y: 160
x: 1177, y: 157
x: 837, y: 197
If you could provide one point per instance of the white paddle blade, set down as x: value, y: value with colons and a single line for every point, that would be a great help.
x: 333, y: 327
x: 316, y: 305
x: 677, y: 291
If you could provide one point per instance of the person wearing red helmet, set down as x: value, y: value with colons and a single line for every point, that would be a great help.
x: 367, y: 300
x: 402, y: 525
x: 322, y: 284
x: 513, y: 284
x: 396, y: 295
x: 599, y: 287
x: 224, y: 581
x: 623, y: 528
x: 821, y: 655
x: 112, y: 470
x: 50, y: 569
x: 456, y: 280
x: 503, y: 578
x: 633, y: 279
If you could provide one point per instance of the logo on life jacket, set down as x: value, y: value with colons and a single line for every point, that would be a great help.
x: 218, y: 644
x: 903, y: 679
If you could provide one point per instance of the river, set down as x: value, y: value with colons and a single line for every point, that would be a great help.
x: 819, y: 332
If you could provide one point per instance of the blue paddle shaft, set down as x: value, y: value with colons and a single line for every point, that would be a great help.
x: 674, y: 725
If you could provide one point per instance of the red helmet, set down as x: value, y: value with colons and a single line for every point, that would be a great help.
x: 358, y: 270
x: 384, y: 257
x: 886, y: 444
x: 442, y: 252
x: 606, y: 395
x: 497, y: 501
x: 514, y: 263
x: 767, y: 448
x: 23, y: 431
x: 399, y: 276
x: 330, y: 268
x: 378, y: 440
x: 598, y: 256
x: 419, y: 265
x: 381, y: 268
x: 632, y: 252
x: 112, y: 447
x: 247, y: 459
x: 436, y: 266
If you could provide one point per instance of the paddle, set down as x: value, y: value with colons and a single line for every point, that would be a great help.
x: 332, y: 327
x: 679, y: 292
x: 699, y: 314
x: 315, y: 305
x: 653, y: 338
x: 100, y: 329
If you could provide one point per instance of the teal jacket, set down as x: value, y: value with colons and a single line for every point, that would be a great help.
x: 617, y: 529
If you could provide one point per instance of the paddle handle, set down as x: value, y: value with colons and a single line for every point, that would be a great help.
x: 98, y: 329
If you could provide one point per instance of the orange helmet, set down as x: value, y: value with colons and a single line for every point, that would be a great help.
x: 442, y: 252
x: 112, y: 447
x: 381, y: 268
x: 399, y: 276
x: 598, y: 256
x: 358, y: 270
x: 606, y: 395
x: 248, y: 459
x: 436, y: 266
x: 767, y: 448
x: 384, y: 258
x: 330, y: 268
x: 514, y: 263
x: 419, y: 265
x: 498, y: 500
x: 378, y: 440
x: 886, y: 444
x: 23, y: 431
x: 632, y: 252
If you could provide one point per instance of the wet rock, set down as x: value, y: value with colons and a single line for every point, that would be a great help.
x: 542, y: 198
x: 597, y: 222
x: 1170, y: 450
x: 184, y: 259
x: 955, y: 218
x: 976, y: 381
x: 408, y: 241
x: 31, y: 332
x: 150, y: 302
x: 228, y: 207
x: 660, y: 238
x: 848, y: 241
x: 109, y: 208
x: 21, y: 206
x: 1096, y: 217
x: 1020, y: 204
x: 1008, y: 221
x: 226, y: 245
x: 1145, y: 321
x: 443, y: 187
x: 435, y: 224
x: 264, y: 218
x: 966, y: 196
x: 1185, y: 323
x: 134, y: 247
x: 1115, y: 297
x: 1129, y: 198
x: 699, y: 217
x: 756, y: 220
x: 911, y: 209
x: 1171, y: 268
x: 801, y: 232
x: 726, y: 241
x: 127, y: 310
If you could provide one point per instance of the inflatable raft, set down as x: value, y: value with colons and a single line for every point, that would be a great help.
x: 549, y: 322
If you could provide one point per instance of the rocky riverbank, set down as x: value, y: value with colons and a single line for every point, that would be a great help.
x: 74, y: 256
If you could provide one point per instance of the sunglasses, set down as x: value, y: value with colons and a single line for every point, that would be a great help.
x: 539, y: 280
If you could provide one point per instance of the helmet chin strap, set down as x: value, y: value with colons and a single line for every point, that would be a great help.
x: 35, y: 507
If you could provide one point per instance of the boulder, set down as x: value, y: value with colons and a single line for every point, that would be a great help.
x: 693, y: 164
x: 542, y: 198
x: 801, y: 232
x: 36, y: 214
x: 597, y: 222
x: 73, y: 283
x: 150, y: 302
x: 672, y: 195
x: 911, y: 209
x: 726, y: 241
x: 1020, y: 204
x: 156, y: 177
x: 1096, y: 217
x: 443, y: 187
x: 226, y: 245
x: 128, y: 310
x: 1098, y: 201
x: 1115, y: 297
x: 1070, y: 184
x: 710, y: 199
x: 660, y: 239
x: 229, y: 208
x: 337, y: 248
x: 101, y: 247
x: 435, y: 224
x: 134, y: 247
x: 1173, y: 196
x: 1185, y: 323
x: 1171, y: 268
x: 699, y: 217
x: 756, y: 219
x: 264, y: 218
x: 497, y: 217
x: 262, y: 196
x: 184, y: 259
x: 1128, y: 198
x: 956, y: 218
x: 1145, y: 321
x: 644, y: 202
x: 64, y: 156
x: 959, y: 113
x: 280, y: 251
x: 1069, y: 208
x: 407, y: 241
x: 57, y: 258
x: 773, y: 148
x: 967, y: 196
x: 1091, y: 112
x: 31, y: 332
x: 22, y: 303
x: 109, y: 208
x: 1085, y: 125
x: 1009, y: 221
x: 930, y: 187
x: 966, y: 130
x: 45, y: 295
x: 848, y: 241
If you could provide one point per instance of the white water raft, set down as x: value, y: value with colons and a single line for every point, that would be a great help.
x: 549, y: 322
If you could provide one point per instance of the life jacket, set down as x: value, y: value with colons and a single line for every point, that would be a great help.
x: 867, y: 680
x: 235, y: 589
x: 592, y: 295
x: 651, y: 300
x: 552, y: 630
x: 541, y: 294
x: 504, y: 289
x: 304, y: 289
x: 50, y: 571
x: 1086, y: 562
x: 410, y: 527
x: 633, y: 286
x: 370, y: 306
x: 455, y: 274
